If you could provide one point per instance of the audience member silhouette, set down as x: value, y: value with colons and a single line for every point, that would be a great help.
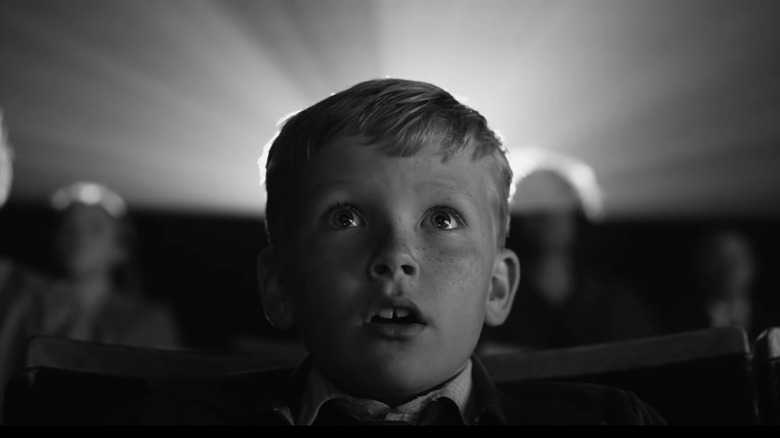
x: 6, y: 167
x: 563, y: 301
x: 721, y: 290
x: 94, y: 292
x: 100, y: 296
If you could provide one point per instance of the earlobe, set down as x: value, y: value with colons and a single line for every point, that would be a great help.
x: 276, y: 303
x: 506, y: 278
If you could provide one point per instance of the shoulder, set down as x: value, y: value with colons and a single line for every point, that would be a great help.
x: 18, y: 276
x: 574, y: 403
x: 23, y: 291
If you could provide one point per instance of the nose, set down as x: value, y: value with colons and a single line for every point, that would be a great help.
x: 394, y: 257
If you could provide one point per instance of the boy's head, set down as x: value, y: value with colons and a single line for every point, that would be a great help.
x: 387, y: 211
x: 403, y: 116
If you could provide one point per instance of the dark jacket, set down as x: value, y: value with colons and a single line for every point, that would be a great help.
x: 259, y: 397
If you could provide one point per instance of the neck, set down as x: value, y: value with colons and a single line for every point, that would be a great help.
x: 91, y: 291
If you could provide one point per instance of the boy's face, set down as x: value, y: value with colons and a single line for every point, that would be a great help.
x: 392, y: 266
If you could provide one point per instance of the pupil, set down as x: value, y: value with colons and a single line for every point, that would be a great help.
x: 442, y: 221
x: 344, y: 219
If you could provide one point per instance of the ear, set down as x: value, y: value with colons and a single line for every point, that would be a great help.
x: 506, y: 278
x: 276, y: 303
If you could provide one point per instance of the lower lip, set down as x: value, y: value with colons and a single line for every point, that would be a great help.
x: 394, y: 331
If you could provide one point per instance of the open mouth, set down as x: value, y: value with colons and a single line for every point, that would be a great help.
x: 396, y: 315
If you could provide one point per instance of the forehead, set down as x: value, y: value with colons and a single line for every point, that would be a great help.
x: 355, y: 164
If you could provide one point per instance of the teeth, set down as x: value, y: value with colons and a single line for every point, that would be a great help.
x: 401, y: 312
x: 386, y: 313
x: 398, y: 312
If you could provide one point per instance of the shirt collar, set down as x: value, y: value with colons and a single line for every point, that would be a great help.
x: 319, y: 390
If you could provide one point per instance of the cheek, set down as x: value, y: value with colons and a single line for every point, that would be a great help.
x: 324, y: 263
x: 457, y: 288
x: 323, y: 281
x: 461, y: 275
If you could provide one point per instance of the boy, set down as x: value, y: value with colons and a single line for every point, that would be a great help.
x: 386, y: 214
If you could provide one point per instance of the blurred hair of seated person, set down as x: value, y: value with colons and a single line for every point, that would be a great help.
x: 563, y: 300
x: 94, y: 293
x: 6, y: 167
x: 12, y: 277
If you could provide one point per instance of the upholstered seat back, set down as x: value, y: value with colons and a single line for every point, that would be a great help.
x: 701, y: 377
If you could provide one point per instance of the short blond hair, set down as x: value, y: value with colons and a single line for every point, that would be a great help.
x: 403, y: 116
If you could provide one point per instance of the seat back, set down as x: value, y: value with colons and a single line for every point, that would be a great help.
x: 117, y: 360
x: 75, y: 382
x: 767, y: 365
x: 702, y: 377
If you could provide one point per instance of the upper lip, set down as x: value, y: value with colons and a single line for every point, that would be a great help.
x: 396, y: 307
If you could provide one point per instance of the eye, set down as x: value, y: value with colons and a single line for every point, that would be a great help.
x: 445, y: 219
x: 342, y: 217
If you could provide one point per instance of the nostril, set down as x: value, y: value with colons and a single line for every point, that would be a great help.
x: 384, y: 270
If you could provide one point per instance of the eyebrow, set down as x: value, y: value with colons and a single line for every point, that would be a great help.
x: 451, y: 191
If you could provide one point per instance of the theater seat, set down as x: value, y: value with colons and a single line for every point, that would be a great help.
x: 74, y: 382
x: 767, y: 365
x: 692, y: 378
x: 699, y: 378
x: 117, y: 360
